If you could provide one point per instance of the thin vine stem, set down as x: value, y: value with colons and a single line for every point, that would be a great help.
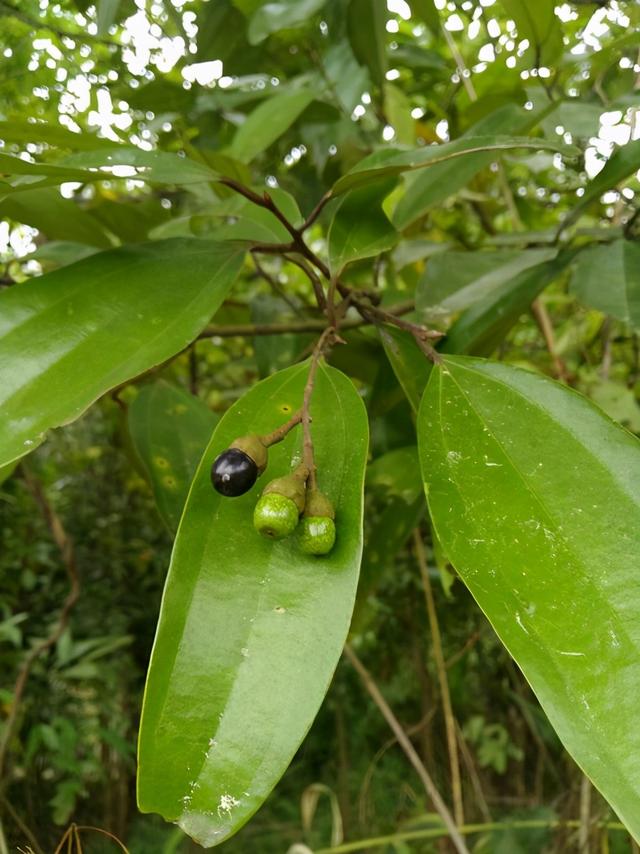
x: 465, y: 830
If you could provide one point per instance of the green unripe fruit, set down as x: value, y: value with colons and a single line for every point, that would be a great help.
x: 275, y: 516
x: 318, y: 535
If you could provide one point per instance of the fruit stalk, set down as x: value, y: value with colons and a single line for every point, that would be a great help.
x: 328, y: 338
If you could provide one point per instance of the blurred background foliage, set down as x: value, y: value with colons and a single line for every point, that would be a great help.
x: 291, y: 95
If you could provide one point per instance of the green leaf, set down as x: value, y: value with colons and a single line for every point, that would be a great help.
x: 347, y: 77
x: 426, y: 189
x: 366, y: 23
x: 69, y: 336
x: 409, y: 363
x: 540, y: 26
x: 170, y: 429
x: 481, y: 327
x: 253, y: 223
x: 607, y: 277
x: 535, y: 496
x: 390, y: 161
x: 360, y: 228
x: 282, y: 15
x: 107, y: 14
x: 396, y: 473
x: 397, y: 109
x: 17, y: 130
x: 623, y: 163
x: 268, y: 122
x: 221, y: 29
x: 426, y: 11
x: 250, y: 630
x: 56, y: 217
x: 161, y: 167
x: 156, y: 167
x: 59, y: 253
x: 453, y: 281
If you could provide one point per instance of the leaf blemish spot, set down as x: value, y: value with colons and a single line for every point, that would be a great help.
x: 227, y: 803
x: 279, y: 609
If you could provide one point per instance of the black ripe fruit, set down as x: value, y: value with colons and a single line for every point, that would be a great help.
x: 233, y: 472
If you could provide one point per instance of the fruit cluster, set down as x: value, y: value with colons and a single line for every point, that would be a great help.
x: 283, y: 501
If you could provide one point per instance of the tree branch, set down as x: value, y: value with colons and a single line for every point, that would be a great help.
x: 436, y: 644
x: 248, y: 330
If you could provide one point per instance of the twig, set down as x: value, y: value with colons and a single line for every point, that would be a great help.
x: 421, y: 334
x: 65, y: 545
x: 436, y: 642
x: 585, y: 815
x: 298, y: 245
x: 263, y: 201
x: 468, y: 829
x: 279, y: 433
x: 410, y: 751
x: 315, y: 281
x: 20, y: 824
x: 543, y: 320
x: 326, y: 340
x: 471, y: 641
x: 467, y: 758
x: 315, y: 213
x: 366, y: 784
x: 274, y: 284
x: 248, y: 330
x: 607, y: 348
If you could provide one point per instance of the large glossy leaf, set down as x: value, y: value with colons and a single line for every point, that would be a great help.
x: 170, y: 429
x: 454, y: 281
x: 535, y: 496
x: 390, y: 161
x: 69, y: 336
x: 268, y: 122
x: 250, y: 631
x: 607, y: 277
x: 360, y: 228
